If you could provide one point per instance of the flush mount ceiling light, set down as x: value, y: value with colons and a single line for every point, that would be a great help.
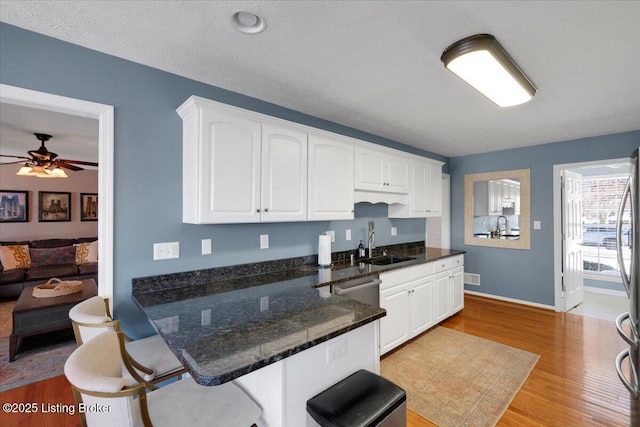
x: 480, y: 61
x: 248, y: 22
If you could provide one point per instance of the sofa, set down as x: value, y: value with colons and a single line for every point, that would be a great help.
x: 30, y: 263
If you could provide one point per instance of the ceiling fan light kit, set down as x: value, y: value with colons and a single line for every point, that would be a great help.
x: 483, y: 63
x: 43, y: 163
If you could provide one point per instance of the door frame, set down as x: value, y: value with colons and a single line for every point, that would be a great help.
x: 557, y: 221
x: 105, y: 116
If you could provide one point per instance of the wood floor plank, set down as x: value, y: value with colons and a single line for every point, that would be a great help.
x: 573, y: 384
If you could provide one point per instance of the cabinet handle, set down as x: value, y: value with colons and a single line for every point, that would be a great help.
x: 258, y: 210
x: 266, y: 209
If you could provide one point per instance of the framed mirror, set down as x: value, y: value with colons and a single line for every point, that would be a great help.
x: 497, y: 209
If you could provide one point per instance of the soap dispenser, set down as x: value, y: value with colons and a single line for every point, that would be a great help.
x: 361, y: 251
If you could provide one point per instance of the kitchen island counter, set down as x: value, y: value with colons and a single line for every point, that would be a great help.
x: 225, y: 322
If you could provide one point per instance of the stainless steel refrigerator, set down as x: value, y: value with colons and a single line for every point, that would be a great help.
x: 628, y: 371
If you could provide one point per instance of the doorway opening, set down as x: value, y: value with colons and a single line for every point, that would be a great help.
x: 601, y: 293
x: 104, y: 114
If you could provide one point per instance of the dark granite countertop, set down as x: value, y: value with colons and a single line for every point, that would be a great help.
x: 223, y: 323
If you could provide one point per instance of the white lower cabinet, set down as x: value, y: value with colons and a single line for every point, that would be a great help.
x: 418, y: 297
x: 394, y: 327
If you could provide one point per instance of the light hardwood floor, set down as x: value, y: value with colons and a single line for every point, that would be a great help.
x: 573, y: 384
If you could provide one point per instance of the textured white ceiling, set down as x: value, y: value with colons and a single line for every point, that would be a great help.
x: 375, y: 65
x: 72, y: 137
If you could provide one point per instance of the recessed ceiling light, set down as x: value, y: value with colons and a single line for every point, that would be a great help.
x: 248, y: 22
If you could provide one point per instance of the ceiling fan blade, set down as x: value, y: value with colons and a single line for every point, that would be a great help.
x: 64, y: 164
x: 17, y: 157
x: 79, y: 162
x: 13, y: 163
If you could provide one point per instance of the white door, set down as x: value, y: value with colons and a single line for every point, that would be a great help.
x: 284, y: 174
x: 397, y: 174
x: 434, y: 195
x: 457, y: 289
x: 229, y: 168
x: 421, y: 297
x: 370, y: 170
x: 394, y: 327
x: 419, y: 189
x: 573, y: 291
x: 442, y: 290
x: 331, y: 174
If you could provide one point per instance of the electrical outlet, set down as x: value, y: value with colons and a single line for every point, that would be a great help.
x: 537, y: 225
x: 264, y: 241
x: 264, y: 303
x: 394, y: 231
x: 348, y: 235
x: 205, y: 317
x: 336, y: 350
x: 167, y: 250
x: 206, y: 246
x: 332, y: 234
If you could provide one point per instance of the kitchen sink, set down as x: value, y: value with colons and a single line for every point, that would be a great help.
x: 386, y: 260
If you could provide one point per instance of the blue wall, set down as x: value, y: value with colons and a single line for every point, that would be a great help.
x: 520, y: 274
x: 148, y: 200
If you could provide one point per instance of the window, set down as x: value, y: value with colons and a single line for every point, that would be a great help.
x: 601, y: 196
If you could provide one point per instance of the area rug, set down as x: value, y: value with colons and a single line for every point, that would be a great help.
x: 40, y: 356
x: 455, y: 379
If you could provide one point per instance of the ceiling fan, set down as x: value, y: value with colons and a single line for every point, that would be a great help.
x: 44, y: 163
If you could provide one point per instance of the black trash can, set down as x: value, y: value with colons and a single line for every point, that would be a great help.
x: 363, y: 399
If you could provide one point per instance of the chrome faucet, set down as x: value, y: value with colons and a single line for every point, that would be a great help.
x: 506, y: 224
x: 372, y: 237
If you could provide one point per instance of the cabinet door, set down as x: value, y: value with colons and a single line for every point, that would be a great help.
x: 421, y: 296
x: 495, y: 198
x: 419, y: 189
x: 331, y: 174
x: 434, y: 193
x: 229, y: 168
x: 370, y: 170
x: 396, y: 174
x: 442, y: 290
x: 457, y: 289
x: 284, y: 174
x: 394, y: 327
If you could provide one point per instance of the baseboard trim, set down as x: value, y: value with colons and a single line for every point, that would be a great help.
x: 516, y: 301
x: 606, y: 291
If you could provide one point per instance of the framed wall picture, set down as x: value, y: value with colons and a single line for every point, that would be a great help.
x: 54, y: 206
x: 88, y: 206
x: 14, y: 206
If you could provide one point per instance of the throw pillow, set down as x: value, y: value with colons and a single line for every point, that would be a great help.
x: 52, y: 256
x: 15, y: 256
x: 86, y: 252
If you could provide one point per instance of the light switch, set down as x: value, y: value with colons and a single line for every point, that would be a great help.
x: 206, y: 246
x: 264, y: 241
x: 394, y: 231
x: 347, y: 235
x: 537, y: 225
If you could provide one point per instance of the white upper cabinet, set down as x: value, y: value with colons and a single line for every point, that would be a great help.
x: 381, y: 172
x: 490, y: 197
x: 331, y: 175
x: 284, y: 174
x: 425, y: 192
x: 241, y: 166
x: 221, y: 167
x: 239, y: 170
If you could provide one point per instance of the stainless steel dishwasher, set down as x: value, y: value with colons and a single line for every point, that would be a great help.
x: 364, y: 289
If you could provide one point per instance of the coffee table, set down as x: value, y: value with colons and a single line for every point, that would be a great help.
x: 33, y: 316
